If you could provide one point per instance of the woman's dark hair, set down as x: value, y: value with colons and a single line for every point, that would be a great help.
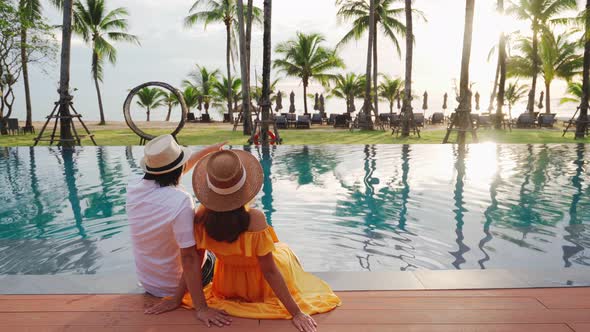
x: 225, y: 226
x: 166, y: 179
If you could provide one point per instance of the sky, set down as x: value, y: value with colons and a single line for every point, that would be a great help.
x: 169, y: 52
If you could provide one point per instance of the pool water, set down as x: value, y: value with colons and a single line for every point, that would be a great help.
x: 341, y: 208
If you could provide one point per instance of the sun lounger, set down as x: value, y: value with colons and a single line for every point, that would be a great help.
x: 547, y: 120
x: 226, y: 117
x: 331, y: 119
x: 419, y: 119
x: 205, y: 118
x: 316, y: 119
x: 526, y: 120
x: 291, y: 119
x: 282, y: 122
x: 13, y: 127
x: 437, y: 118
x: 303, y: 122
x: 341, y: 121
x: 190, y: 117
x: 484, y: 121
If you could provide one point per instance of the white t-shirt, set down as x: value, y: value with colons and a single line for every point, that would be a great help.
x: 161, y: 222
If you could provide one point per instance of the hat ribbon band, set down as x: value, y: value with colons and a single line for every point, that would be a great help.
x: 169, y: 166
x: 231, y: 190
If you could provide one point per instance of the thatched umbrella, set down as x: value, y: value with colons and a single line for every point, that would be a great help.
x: 279, y: 102
x: 425, y: 101
x: 445, y: 100
x: 541, y: 99
x: 316, y: 104
x: 322, y: 108
x: 477, y: 96
x: 398, y: 100
x: 292, y: 100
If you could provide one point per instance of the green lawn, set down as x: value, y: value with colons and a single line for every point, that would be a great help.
x: 208, y: 135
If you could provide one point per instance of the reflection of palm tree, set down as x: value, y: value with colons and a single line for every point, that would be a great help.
x: 267, y: 198
x: 41, y: 220
x: 575, y: 227
x: 70, y: 171
x: 491, y: 210
x: 99, y: 203
x: 460, y: 208
x: 130, y: 159
x: 406, y: 186
x: 308, y: 164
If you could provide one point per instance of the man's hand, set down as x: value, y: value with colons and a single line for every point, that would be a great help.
x: 216, y: 147
x: 213, y: 316
x: 163, y: 306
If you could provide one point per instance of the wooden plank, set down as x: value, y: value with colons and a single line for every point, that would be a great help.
x: 442, y: 303
x: 286, y: 327
x: 108, y: 319
x: 580, y: 327
x: 564, y: 302
x: 528, y: 292
x: 162, y: 328
x: 121, y: 303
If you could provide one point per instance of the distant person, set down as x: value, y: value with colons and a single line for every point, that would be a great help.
x: 161, y: 218
x: 256, y: 276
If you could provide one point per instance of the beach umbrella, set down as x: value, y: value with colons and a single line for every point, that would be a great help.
x: 322, y: 108
x: 279, y: 102
x: 445, y: 100
x: 316, y: 104
x: 292, y: 100
x: 477, y: 96
x: 425, y: 101
x: 541, y: 99
x: 398, y: 100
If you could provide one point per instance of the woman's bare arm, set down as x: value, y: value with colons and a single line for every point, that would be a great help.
x: 196, y: 156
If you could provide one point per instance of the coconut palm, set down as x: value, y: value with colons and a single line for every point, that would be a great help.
x: 30, y: 11
x: 100, y: 28
x: 221, y: 11
x: 574, y: 93
x: 559, y: 58
x: 305, y: 57
x: 501, y: 86
x: 348, y: 87
x: 170, y: 100
x: 220, y: 89
x: 407, y: 103
x: 538, y: 13
x: 390, y: 89
x: 257, y: 91
x: 191, y: 97
x: 150, y: 98
x: 204, y: 81
x: 514, y: 93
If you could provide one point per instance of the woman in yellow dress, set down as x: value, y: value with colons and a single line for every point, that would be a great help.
x: 256, y: 276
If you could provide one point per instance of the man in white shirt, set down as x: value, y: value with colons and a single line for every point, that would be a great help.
x: 161, y: 216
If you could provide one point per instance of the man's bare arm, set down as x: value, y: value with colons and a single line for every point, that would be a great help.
x: 196, y: 156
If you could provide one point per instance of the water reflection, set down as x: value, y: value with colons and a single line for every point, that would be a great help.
x: 358, y: 208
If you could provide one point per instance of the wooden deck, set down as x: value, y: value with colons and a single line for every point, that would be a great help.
x: 529, y: 310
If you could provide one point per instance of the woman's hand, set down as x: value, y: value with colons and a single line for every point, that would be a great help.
x: 304, y: 323
x: 213, y: 316
x: 163, y: 306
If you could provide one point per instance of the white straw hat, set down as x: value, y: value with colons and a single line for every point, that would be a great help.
x: 163, y: 155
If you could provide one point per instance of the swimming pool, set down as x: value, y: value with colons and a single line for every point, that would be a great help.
x: 341, y: 208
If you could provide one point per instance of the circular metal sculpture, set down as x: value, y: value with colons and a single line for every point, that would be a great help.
x: 144, y: 137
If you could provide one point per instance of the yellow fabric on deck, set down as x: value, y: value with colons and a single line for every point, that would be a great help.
x: 239, y: 286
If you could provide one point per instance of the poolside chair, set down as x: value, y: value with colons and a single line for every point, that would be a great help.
x: 394, y: 121
x: 13, y: 127
x: 226, y: 117
x: 384, y: 118
x: 316, y: 118
x: 526, y: 120
x: 205, y: 118
x: 331, y: 119
x: 190, y: 117
x: 291, y: 119
x: 437, y: 118
x: 303, y: 122
x: 282, y: 122
x: 484, y: 121
x: 341, y: 121
x: 419, y: 119
x: 547, y: 120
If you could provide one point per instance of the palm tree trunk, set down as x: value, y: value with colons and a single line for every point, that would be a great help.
x: 65, y: 128
x: 375, y: 73
x: 228, y: 62
x: 495, y: 88
x: 464, y: 109
x: 367, y: 104
x: 305, y: 96
x: 25, y: 67
x: 169, y: 112
x: 407, y: 103
x: 582, y: 123
x: 266, y: 63
x: 148, y: 114
x: 548, y: 97
x: 531, y: 101
x: 244, y: 70
x: 390, y: 106
x: 502, y: 67
x: 96, y: 85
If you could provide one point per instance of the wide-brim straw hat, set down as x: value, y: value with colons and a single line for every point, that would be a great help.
x: 163, y: 155
x: 227, y: 180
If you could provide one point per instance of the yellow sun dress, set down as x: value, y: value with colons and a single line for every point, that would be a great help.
x: 239, y: 287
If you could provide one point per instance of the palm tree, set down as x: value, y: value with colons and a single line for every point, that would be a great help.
x: 501, y: 71
x: 204, y: 81
x: 191, y: 97
x: 390, y: 89
x: 100, y: 28
x: 221, y: 11
x: 386, y: 18
x: 558, y: 56
x: 574, y: 93
x: 150, y: 98
x: 305, y: 57
x: 348, y: 87
x: 65, y: 125
x: 266, y: 72
x: 170, y: 100
x: 582, y: 123
x: 407, y: 103
x: 514, y: 93
x: 538, y: 13
x: 30, y: 11
x: 221, y: 89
